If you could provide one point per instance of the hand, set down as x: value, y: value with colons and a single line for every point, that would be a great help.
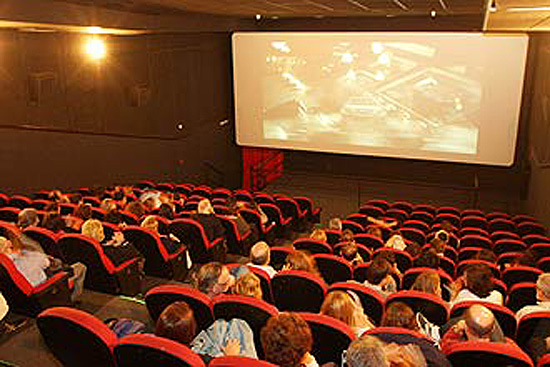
x: 118, y: 237
x: 233, y: 347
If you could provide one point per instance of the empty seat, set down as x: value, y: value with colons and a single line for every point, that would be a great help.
x: 454, y: 219
x: 333, y: 236
x: 278, y: 256
x: 290, y: 209
x: 520, y: 295
x: 448, y: 210
x: 505, y: 317
x: 483, y: 353
x: 25, y: 299
x: 330, y: 337
x: 418, y: 224
x: 475, y: 241
x: 371, y: 211
x: 298, y: 291
x: 397, y: 214
x: 472, y: 212
x: 468, y: 253
x: 497, y: 215
x: 474, y: 221
x: 20, y: 201
x: 255, y: 312
x: 544, y: 264
x: 465, y: 231
x: 382, y: 204
x: 422, y: 216
x: 237, y: 242
x: 147, y: 350
x: 527, y: 328
x: 275, y: 216
x: 508, y: 245
x: 501, y: 224
x: 413, y: 234
x: 9, y: 214
x: 527, y: 228
x: 520, y: 274
x: 356, y: 228
x: 191, y: 233
x: 158, y: 298
x: 369, y: 241
x: 371, y: 300
x: 360, y: 219
x: 432, y: 307
x: 313, y: 214
x: 532, y: 239
x: 540, y: 250
x: 333, y: 268
x: 502, y: 235
x: 313, y: 246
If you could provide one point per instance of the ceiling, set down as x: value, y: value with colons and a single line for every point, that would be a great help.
x: 504, y: 17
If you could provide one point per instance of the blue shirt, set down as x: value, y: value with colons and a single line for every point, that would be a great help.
x: 31, y: 264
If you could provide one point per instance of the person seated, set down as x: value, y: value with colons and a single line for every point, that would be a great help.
x: 335, y: 224
x: 214, y: 279
x: 113, y: 216
x: 347, y: 236
x: 398, y: 314
x: 108, y: 204
x: 83, y: 211
x: 35, y: 266
x: 58, y: 197
x: 428, y: 282
x: 248, y: 285
x: 136, y: 208
x: 287, y: 341
x: 301, y: 260
x: 486, y: 255
x: 254, y: 207
x: 346, y: 307
x: 379, y: 277
x: 260, y: 256
x: 150, y: 200
x: 543, y: 297
x: 177, y: 322
x: 207, y: 218
x: 369, y: 351
x: 478, y: 324
x: 166, y: 211
x: 375, y: 231
x: 427, y: 259
x: 438, y: 245
x: 350, y: 253
x: 475, y: 284
x: 382, y: 223
x: 318, y: 235
x: 170, y: 242
x: 27, y: 217
x: 116, y: 248
x: 396, y: 241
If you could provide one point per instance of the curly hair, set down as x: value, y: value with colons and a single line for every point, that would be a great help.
x: 286, y: 338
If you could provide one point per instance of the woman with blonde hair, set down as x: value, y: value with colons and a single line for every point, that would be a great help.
x: 318, y: 235
x: 301, y: 260
x: 347, y: 308
x: 248, y: 285
x: 117, y: 249
x: 429, y: 282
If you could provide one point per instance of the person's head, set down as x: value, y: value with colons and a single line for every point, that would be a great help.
x: 107, y: 204
x: 438, y: 245
x: 480, y: 323
x: 318, y: 235
x: 543, y: 287
x: 136, y: 208
x: 27, y: 217
x: 52, y: 207
x: 151, y: 223
x: 260, y: 254
x: 341, y: 306
x: 11, y: 244
x: 347, y: 236
x: 375, y: 231
x: 248, y: 285
x: 442, y: 235
x: 447, y: 226
x: 93, y: 228
x: 286, y: 339
x: 335, y: 224
x: 75, y: 198
x: 368, y: 351
x: 166, y: 211
x: 487, y: 255
x: 477, y: 279
x: 177, y: 322
x: 113, y: 216
x: 427, y: 259
x: 413, y: 248
x: 349, y: 251
x: 54, y: 222
x: 378, y: 271
x: 214, y: 279
x: 83, y: 211
x: 429, y: 282
x: 301, y: 260
x: 205, y: 207
x: 526, y: 259
x: 399, y: 314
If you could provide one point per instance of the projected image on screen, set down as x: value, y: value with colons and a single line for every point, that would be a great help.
x: 453, y: 97
x: 373, y: 93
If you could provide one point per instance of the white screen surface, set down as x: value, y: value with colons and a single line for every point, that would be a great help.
x: 437, y: 96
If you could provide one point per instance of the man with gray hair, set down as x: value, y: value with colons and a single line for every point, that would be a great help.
x: 366, y: 352
x: 543, y: 297
x: 260, y: 256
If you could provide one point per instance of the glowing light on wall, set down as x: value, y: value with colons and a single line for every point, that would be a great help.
x: 95, y: 48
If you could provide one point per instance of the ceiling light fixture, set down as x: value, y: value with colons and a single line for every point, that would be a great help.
x: 493, y: 6
x: 528, y: 8
x: 258, y: 16
x: 433, y: 14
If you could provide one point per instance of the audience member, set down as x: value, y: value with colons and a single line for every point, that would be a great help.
x: 117, y: 249
x: 136, y: 208
x: 35, y: 266
x: 349, y: 251
x: 166, y: 211
x: 287, y: 341
x: 207, y: 218
x: 398, y: 314
x: 248, y: 285
x: 83, y: 211
x: 396, y: 242
x: 375, y: 231
x: 486, y: 255
x: 335, y: 224
x: 170, y: 242
x: 214, y: 279
x: 543, y: 297
x: 347, y: 308
x: 478, y: 324
x: 379, y: 277
x: 438, y: 245
x: 367, y: 351
x: 260, y: 256
x: 427, y: 259
x: 475, y: 284
x: 301, y: 260
x: 318, y: 235
x: 27, y: 217
x: 429, y: 282
x: 347, y: 236
x: 107, y: 205
x: 113, y: 216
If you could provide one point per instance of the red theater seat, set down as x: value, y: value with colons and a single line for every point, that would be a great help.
x: 371, y: 300
x: 505, y: 317
x: 333, y: 268
x: 313, y: 246
x: 520, y: 295
x: 298, y: 291
x: 520, y: 274
x: 191, y: 233
x: 482, y: 354
x: 432, y: 307
x: 235, y: 361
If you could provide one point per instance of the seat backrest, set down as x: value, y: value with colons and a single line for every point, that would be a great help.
x: 527, y: 228
x: 540, y: 250
x: 333, y: 268
x: 502, y: 235
x: 520, y: 295
x: 501, y: 224
x: 158, y: 298
x: 295, y: 290
x: 432, y: 307
x: 13, y: 285
x: 505, y: 317
x: 508, y: 245
x: 454, y: 219
x: 527, y: 325
x: 532, y: 239
x: 544, y: 361
x: 382, y: 204
x: 371, y: 300
x: 148, y: 243
x: 238, y: 361
x: 474, y: 221
x: 313, y: 246
x: 520, y: 274
x: 77, y: 338
x: 368, y: 240
x: 463, y: 265
x: 330, y: 337
x: 359, y: 218
x: 371, y: 210
x: 475, y: 241
x: 278, y: 256
x: 147, y: 350
x: 192, y: 233
x: 418, y: 224
x: 46, y: 238
x: 413, y: 234
x: 483, y: 353
x: 9, y: 214
x: 355, y: 227
x: 422, y: 215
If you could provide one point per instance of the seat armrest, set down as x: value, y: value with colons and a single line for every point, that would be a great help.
x: 58, y: 278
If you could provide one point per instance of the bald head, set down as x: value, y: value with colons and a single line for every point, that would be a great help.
x: 204, y: 207
x: 543, y: 287
x: 259, y: 254
x: 480, y: 322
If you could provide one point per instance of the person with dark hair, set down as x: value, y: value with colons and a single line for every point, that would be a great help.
x: 375, y: 231
x: 113, y: 216
x: 438, y: 245
x: 301, y: 260
x: 136, y: 208
x: 475, y: 284
x: 287, y: 341
x: 398, y: 314
x: 428, y: 259
x: 166, y: 211
x: 214, y: 279
x: 379, y: 277
x: 54, y: 222
x: 260, y: 256
x: 207, y: 218
x: 486, y: 255
x: 177, y: 322
x: 83, y: 211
